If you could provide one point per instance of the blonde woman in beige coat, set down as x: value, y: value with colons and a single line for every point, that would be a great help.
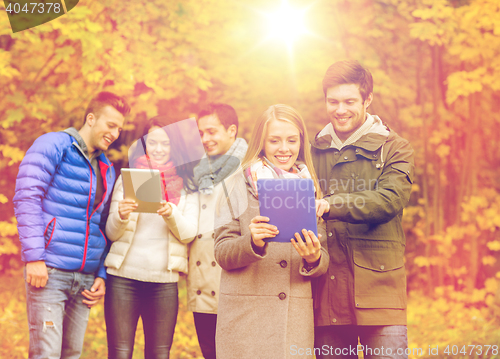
x: 265, y: 303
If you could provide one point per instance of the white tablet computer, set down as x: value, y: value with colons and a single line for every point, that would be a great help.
x: 144, y: 187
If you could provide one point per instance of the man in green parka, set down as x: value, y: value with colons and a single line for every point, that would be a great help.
x: 366, y: 171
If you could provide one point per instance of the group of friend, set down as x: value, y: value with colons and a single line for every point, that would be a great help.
x: 331, y: 295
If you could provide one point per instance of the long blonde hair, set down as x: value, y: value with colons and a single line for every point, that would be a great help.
x: 288, y: 114
x: 255, y: 151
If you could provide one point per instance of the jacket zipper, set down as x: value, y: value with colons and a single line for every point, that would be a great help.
x: 87, y: 229
x: 105, y: 183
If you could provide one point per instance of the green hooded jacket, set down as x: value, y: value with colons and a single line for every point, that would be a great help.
x: 367, y: 185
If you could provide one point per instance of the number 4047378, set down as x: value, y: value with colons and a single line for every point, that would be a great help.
x: 34, y: 8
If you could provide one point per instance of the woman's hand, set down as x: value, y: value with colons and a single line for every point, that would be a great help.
x: 261, y: 230
x: 125, y: 207
x: 310, y: 250
x: 165, y: 210
x: 322, y: 206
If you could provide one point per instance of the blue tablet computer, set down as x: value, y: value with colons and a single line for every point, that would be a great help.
x: 290, y: 205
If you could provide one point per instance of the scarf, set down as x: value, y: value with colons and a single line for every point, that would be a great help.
x: 172, y: 184
x: 265, y: 169
x: 212, y: 170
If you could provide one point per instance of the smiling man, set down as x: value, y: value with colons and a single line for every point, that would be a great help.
x: 61, y: 204
x: 218, y: 126
x: 366, y: 171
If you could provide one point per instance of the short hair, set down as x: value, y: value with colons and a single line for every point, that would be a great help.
x: 225, y: 113
x: 103, y: 99
x: 349, y: 72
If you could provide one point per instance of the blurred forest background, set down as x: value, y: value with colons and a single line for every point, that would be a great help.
x: 436, y: 68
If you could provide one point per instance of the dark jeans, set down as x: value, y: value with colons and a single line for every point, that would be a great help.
x: 205, y: 324
x: 376, y: 342
x: 126, y: 300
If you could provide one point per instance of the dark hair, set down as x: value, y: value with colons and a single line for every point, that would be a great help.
x: 178, y: 149
x: 103, y: 99
x: 349, y: 72
x: 225, y: 113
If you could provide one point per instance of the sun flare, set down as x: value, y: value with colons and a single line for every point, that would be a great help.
x: 286, y: 23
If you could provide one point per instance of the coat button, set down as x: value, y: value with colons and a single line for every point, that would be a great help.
x: 204, y: 206
x: 382, y: 267
x: 198, y: 292
x: 330, y: 234
x: 332, y: 191
x: 200, y: 235
x: 198, y: 263
x: 377, y: 165
x: 283, y: 264
x: 213, y: 294
x: 357, y: 304
x: 345, y: 158
x: 332, y: 277
x: 375, y: 156
x: 282, y: 296
x: 357, y: 150
x: 334, y: 320
x: 213, y: 263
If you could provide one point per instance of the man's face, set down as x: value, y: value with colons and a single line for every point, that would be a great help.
x: 346, y: 109
x: 216, y: 139
x: 105, y: 129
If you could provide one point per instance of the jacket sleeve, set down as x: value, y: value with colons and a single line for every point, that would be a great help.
x: 233, y: 243
x: 115, y: 226
x: 33, y: 180
x: 391, y: 195
x: 183, y: 222
x: 101, y: 272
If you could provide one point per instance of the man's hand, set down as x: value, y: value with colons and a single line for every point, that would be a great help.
x: 95, y: 293
x: 36, y: 274
x: 322, y: 206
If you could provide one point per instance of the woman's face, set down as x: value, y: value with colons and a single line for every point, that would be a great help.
x: 282, y: 144
x: 158, y: 145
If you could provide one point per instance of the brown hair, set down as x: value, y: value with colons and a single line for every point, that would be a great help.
x: 103, y: 99
x: 349, y: 72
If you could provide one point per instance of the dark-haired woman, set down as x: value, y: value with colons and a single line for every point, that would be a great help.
x: 149, y: 249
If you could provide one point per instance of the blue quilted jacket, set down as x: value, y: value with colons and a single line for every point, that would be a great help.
x: 54, y: 201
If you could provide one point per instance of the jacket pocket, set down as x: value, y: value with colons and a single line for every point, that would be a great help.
x: 49, y: 231
x: 379, y: 276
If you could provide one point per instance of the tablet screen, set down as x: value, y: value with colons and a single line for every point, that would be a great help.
x: 144, y: 187
x: 290, y: 205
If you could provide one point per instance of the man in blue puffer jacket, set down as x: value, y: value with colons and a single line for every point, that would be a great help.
x: 61, y: 203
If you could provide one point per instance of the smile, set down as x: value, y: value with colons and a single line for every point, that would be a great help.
x: 108, y: 140
x: 283, y: 159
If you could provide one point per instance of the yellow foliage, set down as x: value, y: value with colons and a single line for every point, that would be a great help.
x: 489, y: 260
x: 15, y: 154
x: 491, y: 285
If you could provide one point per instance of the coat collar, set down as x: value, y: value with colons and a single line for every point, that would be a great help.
x: 375, y: 137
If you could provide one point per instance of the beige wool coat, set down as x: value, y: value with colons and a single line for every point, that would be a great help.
x: 265, y: 303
